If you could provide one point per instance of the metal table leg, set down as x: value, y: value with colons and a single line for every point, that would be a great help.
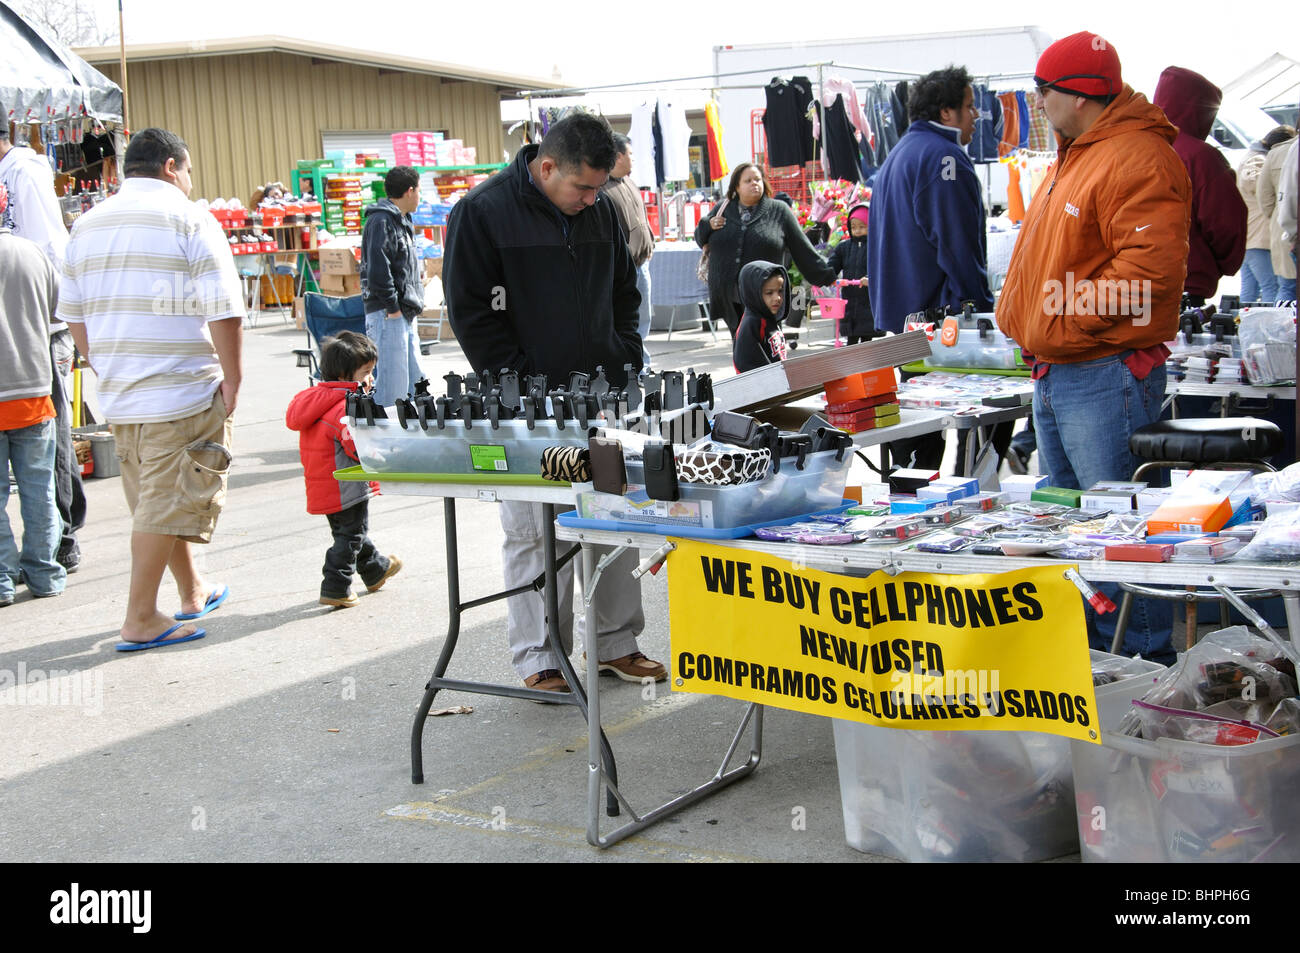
x: 548, y: 584
x: 721, y: 778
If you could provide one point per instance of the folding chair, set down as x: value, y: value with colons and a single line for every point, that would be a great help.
x: 325, y: 317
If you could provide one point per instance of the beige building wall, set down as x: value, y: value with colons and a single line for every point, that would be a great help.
x: 248, y: 118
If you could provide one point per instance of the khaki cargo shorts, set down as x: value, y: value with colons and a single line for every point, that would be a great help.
x: 174, y: 472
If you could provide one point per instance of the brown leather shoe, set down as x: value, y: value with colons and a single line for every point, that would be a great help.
x: 635, y: 667
x: 547, y: 680
x: 394, y: 567
x: 340, y: 602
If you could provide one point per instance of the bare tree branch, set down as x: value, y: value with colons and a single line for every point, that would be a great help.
x: 71, y: 22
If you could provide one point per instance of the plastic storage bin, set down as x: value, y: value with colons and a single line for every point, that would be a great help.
x: 508, y: 448
x: 791, y: 492
x: 1182, y: 802
x: 955, y: 795
x: 1004, y: 796
x: 103, y: 447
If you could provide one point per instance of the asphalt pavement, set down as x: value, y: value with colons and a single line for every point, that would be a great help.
x: 284, y: 734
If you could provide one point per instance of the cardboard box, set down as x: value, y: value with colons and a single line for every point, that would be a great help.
x: 299, y: 314
x: 429, y: 330
x: 340, y: 285
x: 339, y: 258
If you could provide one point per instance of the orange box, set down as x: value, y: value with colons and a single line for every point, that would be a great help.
x: 860, y: 386
x: 1197, y: 515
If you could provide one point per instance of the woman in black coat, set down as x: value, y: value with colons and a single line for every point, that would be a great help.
x: 749, y: 225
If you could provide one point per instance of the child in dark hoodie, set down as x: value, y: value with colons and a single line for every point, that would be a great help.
x: 758, y: 338
x: 849, y: 259
x: 325, y: 445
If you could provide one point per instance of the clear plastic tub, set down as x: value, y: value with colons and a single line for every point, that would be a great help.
x: 1180, y: 802
x: 1004, y: 796
x: 508, y: 448
x: 791, y: 492
x: 955, y: 796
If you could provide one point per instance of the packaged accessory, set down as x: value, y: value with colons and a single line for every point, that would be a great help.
x: 717, y: 465
x: 608, y: 474
x: 660, y: 471
x: 566, y: 464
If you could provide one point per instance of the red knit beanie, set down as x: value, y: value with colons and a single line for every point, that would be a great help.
x: 1083, y: 65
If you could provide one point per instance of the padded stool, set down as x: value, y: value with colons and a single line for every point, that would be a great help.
x: 1215, y: 443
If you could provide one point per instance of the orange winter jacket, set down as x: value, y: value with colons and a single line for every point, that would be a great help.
x: 1099, y: 265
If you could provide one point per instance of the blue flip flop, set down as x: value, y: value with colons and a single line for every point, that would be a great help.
x: 214, y: 602
x: 161, y: 640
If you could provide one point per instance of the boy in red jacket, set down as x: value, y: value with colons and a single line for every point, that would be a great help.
x: 325, y: 445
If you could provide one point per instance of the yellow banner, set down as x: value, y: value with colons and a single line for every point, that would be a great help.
x: 1001, y: 652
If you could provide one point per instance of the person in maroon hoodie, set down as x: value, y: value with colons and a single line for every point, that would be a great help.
x: 325, y: 445
x: 1217, y: 237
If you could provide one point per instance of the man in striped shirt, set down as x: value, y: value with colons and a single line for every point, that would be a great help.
x: 153, y: 300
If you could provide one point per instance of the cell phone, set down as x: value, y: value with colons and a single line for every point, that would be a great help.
x: 660, y: 471
x: 608, y: 474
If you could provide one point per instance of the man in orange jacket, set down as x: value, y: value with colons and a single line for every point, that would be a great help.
x: 1096, y: 277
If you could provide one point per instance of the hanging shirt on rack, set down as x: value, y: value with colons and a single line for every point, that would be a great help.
x: 719, y: 168
x: 988, y: 126
x: 1022, y: 107
x: 838, y: 86
x: 642, y: 138
x: 785, y: 123
x: 676, y: 135
x: 1015, y: 199
x: 657, y: 130
x: 1041, y: 136
x: 881, y: 112
x: 1010, y: 140
x: 841, y: 157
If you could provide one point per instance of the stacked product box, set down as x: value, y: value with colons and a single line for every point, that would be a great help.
x: 416, y: 148
x: 865, y: 401
x: 346, y: 215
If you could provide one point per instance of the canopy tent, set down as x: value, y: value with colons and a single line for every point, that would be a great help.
x: 41, y: 79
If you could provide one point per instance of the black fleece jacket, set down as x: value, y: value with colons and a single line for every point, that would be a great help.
x: 390, y: 266
x: 530, y: 289
x: 752, y: 348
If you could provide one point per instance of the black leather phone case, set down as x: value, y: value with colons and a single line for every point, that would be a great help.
x: 660, y: 471
x: 608, y: 475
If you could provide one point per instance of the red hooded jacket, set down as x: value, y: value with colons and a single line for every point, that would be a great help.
x: 325, y: 445
x: 1217, y: 237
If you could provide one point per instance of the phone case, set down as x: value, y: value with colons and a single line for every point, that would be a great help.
x: 608, y: 474
x: 739, y: 430
x: 660, y: 471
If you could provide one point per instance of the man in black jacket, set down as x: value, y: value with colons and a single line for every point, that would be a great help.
x: 392, y: 293
x: 538, y: 279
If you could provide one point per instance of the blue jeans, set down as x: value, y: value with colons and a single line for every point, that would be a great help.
x: 1258, y: 283
x: 1083, y: 416
x: 398, y: 366
x: 1285, y: 289
x: 645, y: 311
x: 30, y: 450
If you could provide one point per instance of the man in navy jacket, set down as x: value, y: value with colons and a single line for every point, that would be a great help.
x: 926, y: 246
